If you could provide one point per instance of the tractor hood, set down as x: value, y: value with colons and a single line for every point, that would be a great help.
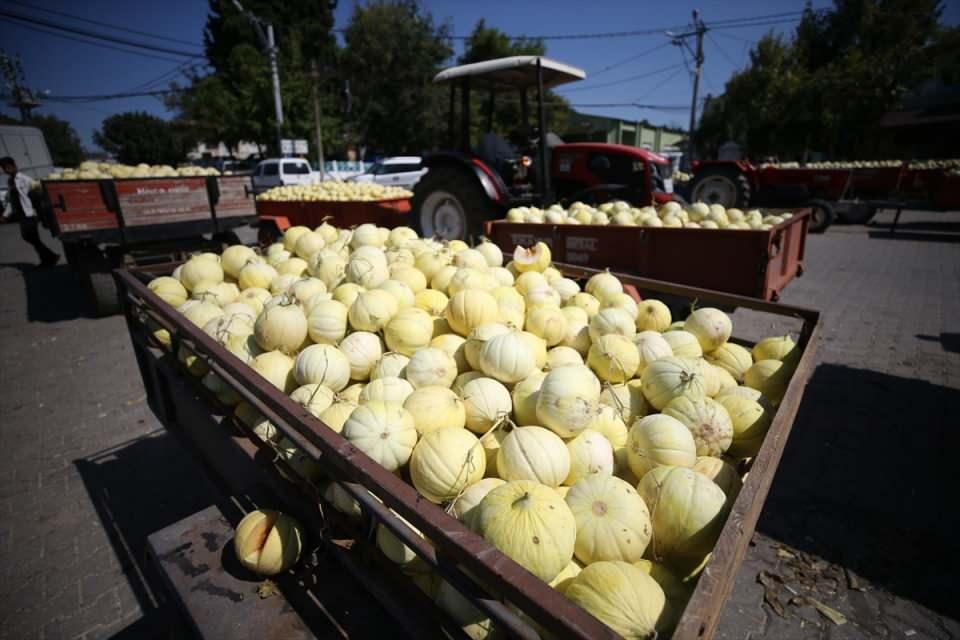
x: 616, y: 149
x: 515, y: 72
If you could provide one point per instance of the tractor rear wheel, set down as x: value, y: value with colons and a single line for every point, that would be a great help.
x: 450, y: 204
x: 721, y: 185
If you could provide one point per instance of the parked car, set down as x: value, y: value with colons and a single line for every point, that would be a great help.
x: 233, y: 166
x: 276, y: 172
x: 401, y: 171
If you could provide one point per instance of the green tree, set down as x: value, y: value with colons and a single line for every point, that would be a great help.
x: 136, y: 136
x: 392, y: 52
x: 828, y: 86
x: 489, y: 43
x: 235, y: 102
x: 62, y: 139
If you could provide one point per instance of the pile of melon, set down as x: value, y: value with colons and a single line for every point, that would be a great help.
x: 590, y: 436
x: 699, y: 215
x: 91, y: 170
x: 334, y: 191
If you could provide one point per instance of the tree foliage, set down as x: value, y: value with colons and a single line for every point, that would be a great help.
x: 489, y: 43
x: 137, y: 136
x: 826, y: 88
x: 62, y: 140
x: 235, y: 102
x: 392, y: 52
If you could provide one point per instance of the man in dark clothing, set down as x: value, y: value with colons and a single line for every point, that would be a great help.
x: 21, y: 210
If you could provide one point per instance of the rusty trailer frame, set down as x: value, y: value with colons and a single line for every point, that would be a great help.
x: 484, y: 575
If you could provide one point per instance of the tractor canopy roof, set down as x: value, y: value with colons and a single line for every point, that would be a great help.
x: 515, y: 72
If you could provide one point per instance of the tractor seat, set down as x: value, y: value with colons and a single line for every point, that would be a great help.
x: 493, y: 149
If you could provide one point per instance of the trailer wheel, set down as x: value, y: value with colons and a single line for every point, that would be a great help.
x: 451, y: 205
x: 226, y: 238
x: 857, y: 214
x: 822, y: 215
x: 721, y: 185
x: 102, y: 291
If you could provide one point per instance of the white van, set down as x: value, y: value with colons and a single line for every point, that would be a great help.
x: 277, y: 172
x: 400, y: 171
x: 28, y: 148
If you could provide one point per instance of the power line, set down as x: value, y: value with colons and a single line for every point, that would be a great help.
x: 663, y: 82
x: 738, y: 38
x: 624, y: 80
x: 628, y: 60
x: 727, y: 23
x: 96, y: 35
x: 108, y: 25
x: 768, y: 23
x: 723, y: 51
x: 113, y: 96
x: 769, y: 16
x: 183, y: 67
x: 88, y: 42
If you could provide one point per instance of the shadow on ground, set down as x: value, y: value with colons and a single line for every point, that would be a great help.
x: 868, y: 481
x: 53, y: 295
x: 949, y: 341
x: 922, y: 230
x: 137, y: 488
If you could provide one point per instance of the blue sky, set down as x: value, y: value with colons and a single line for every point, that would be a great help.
x: 67, y: 67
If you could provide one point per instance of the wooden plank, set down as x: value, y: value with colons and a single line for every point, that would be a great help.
x: 236, y: 197
x: 217, y: 595
x: 162, y: 200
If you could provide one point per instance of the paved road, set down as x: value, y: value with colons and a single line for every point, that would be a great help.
x: 861, y: 516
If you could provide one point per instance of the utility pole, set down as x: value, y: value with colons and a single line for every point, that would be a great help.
x: 315, y: 74
x: 21, y: 97
x: 680, y: 40
x: 265, y: 32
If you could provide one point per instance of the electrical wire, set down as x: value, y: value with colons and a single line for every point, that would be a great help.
x: 788, y: 16
x: 49, y: 24
x: 114, y: 96
x: 108, y: 25
x: 102, y: 45
x: 769, y: 23
x: 662, y: 83
x: 733, y: 37
x: 723, y: 52
x: 621, y: 81
x: 628, y: 60
x: 183, y: 67
x: 769, y: 16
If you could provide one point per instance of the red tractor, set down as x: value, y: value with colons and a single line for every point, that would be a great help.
x: 467, y: 186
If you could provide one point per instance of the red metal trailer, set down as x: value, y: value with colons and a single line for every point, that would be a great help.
x: 104, y: 224
x: 851, y: 194
x: 758, y: 264
x: 493, y: 583
x: 276, y: 217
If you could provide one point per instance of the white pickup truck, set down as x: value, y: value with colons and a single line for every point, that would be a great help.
x: 276, y: 172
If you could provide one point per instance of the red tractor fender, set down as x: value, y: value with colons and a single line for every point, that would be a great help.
x: 489, y: 180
